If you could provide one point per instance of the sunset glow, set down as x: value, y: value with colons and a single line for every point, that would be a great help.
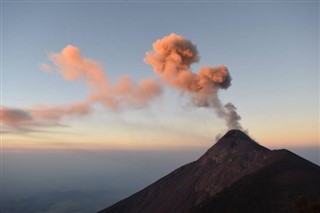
x: 99, y: 99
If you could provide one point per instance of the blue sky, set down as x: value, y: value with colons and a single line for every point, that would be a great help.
x: 270, y: 48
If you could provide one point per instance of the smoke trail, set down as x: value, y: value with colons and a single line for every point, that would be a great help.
x: 14, y: 117
x: 28, y: 120
x: 126, y: 93
x: 71, y: 65
x: 55, y: 113
x: 172, y: 57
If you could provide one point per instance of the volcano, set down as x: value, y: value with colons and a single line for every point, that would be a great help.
x: 235, y: 175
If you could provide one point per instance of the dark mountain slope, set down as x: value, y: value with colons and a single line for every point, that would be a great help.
x: 278, y: 187
x: 195, y: 185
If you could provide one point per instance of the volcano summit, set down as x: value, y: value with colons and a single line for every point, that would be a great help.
x: 235, y: 175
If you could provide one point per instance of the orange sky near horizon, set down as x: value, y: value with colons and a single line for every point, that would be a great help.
x: 145, y: 139
x: 103, y: 76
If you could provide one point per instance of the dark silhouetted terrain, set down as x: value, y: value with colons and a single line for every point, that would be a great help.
x: 235, y: 175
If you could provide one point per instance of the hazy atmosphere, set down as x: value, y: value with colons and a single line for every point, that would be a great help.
x: 100, y: 99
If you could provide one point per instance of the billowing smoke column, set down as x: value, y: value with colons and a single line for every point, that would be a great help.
x: 171, y: 59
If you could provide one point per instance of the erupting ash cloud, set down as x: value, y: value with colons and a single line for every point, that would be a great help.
x: 172, y: 57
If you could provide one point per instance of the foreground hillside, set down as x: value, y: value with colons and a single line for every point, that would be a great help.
x: 235, y: 175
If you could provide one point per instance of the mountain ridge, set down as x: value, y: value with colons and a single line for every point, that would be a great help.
x: 194, y: 186
x: 276, y: 187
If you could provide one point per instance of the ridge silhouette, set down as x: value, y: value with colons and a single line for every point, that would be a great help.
x: 235, y: 163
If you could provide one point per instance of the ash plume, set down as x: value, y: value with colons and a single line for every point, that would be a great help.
x: 71, y: 65
x: 172, y: 57
x: 125, y: 93
x: 14, y: 117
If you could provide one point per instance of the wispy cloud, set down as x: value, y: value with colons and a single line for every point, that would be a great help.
x: 71, y: 65
x: 125, y: 93
x: 21, y: 121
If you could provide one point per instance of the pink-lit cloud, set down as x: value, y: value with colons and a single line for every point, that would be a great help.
x: 45, y: 67
x: 38, y: 117
x: 172, y: 57
x: 56, y: 113
x: 71, y: 65
x: 14, y: 117
x: 125, y: 93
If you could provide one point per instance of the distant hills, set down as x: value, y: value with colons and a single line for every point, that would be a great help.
x: 235, y: 175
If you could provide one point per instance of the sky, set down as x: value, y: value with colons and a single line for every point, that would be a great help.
x: 98, y: 77
x: 270, y: 49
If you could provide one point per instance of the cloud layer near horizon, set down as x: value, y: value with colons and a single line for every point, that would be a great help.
x: 171, y: 58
